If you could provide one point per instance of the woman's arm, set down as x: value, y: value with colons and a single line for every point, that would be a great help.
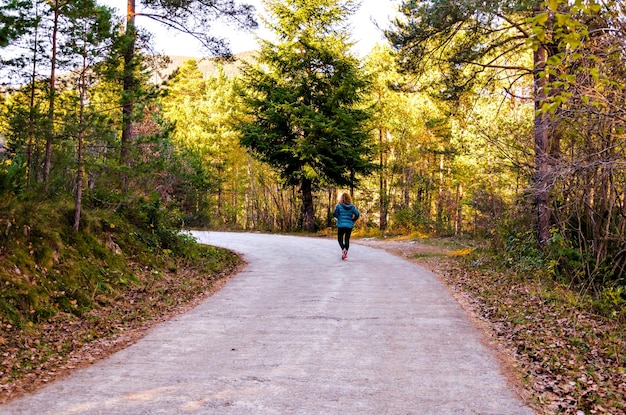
x: 355, y: 214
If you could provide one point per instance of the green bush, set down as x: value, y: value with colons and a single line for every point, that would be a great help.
x: 522, y: 254
x: 410, y: 219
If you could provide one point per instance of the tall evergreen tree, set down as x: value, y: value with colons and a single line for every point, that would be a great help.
x: 304, y: 99
x: 93, y: 31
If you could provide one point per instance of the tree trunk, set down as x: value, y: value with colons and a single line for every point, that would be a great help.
x: 352, y: 181
x: 458, y: 222
x: 330, y: 209
x: 541, y: 190
x: 251, y: 216
x: 308, y: 213
x: 80, y: 172
x: 220, y: 194
x: 232, y: 220
x: 440, y: 195
x: 31, y: 116
x: 80, y: 168
x: 53, y: 66
x: 382, y: 183
x: 129, y: 85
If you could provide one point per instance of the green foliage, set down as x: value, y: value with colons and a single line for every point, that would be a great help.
x: 201, y: 112
x: 412, y: 219
x: 564, y: 260
x: 480, y: 56
x: 46, y: 267
x: 565, y: 265
x: 612, y: 302
x: 43, y: 270
x: 304, y: 100
x: 584, y: 80
x: 304, y: 115
x: 461, y: 39
x: 59, y: 139
x: 155, y: 226
x: 522, y: 255
x: 15, y: 20
x: 12, y: 172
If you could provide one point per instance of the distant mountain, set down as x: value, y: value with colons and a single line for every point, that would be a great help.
x: 207, y: 66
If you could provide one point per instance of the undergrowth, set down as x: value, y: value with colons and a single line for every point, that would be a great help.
x: 559, y: 262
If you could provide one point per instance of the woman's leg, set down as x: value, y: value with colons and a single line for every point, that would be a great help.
x: 340, y: 237
x: 346, y: 243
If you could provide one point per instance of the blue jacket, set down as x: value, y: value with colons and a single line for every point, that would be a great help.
x: 346, y: 215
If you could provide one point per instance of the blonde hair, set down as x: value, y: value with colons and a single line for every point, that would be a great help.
x: 345, y: 199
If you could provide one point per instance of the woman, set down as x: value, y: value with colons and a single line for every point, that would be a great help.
x: 346, y: 214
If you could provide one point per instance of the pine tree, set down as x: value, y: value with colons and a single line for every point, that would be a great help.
x: 91, y: 31
x: 304, y: 99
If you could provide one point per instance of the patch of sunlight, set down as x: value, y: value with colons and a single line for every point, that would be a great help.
x: 461, y: 252
x: 412, y: 236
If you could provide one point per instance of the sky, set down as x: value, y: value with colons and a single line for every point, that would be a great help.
x: 365, y: 32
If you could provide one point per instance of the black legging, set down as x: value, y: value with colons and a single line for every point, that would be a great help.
x: 343, y: 236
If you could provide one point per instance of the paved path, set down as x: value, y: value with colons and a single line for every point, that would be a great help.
x: 299, y: 331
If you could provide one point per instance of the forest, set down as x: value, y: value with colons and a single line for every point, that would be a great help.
x: 503, y: 123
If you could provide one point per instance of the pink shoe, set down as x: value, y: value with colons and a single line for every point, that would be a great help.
x: 344, y: 254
